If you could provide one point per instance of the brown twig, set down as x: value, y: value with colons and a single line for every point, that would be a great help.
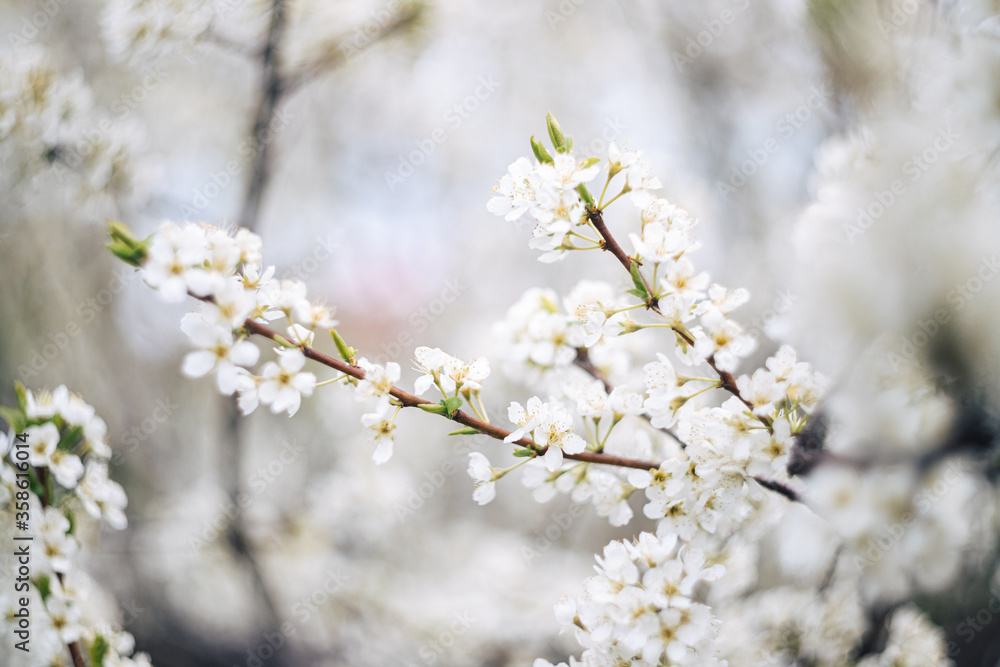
x: 726, y: 379
x: 335, y: 51
x: 271, y: 93
x: 409, y: 400
x: 777, y: 487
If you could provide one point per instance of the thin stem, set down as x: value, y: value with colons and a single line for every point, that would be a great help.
x: 583, y: 361
x: 615, y: 198
x: 728, y: 381
x: 585, y: 238
x: 604, y: 190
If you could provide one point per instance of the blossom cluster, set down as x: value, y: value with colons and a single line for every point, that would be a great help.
x: 48, y: 125
x: 223, y: 268
x: 641, y: 608
x: 715, y: 455
x: 66, y: 479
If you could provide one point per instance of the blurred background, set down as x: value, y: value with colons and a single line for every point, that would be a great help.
x: 379, y: 156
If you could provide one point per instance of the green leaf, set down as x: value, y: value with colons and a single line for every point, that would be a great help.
x: 555, y: 133
x: 467, y: 430
x: 70, y: 438
x: 638, y: 282
x: 125, y: 246
x: 98, y: 650
x: 44, y: 586
x: 72, y: 522
x: 22, y: 397
x: 540, y: 153
x: 522, y: 453
x: 638, y: 293
x: 14, y: 417
x: 346, y: 353
x: 36, y: 486
x: 433, y: 408
x: 569, y: 144
x: 452, y: 404
x: 590, y: 162
x: 588, y: 198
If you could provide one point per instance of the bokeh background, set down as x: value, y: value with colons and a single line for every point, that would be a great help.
x: 380, y: 166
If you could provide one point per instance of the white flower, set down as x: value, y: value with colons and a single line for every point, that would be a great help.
x: 285, y: 295
x: 219, y: 352
x: 58, y: 548
x: 638, y: 177
x: 762, y: 390
x: 283, y: 384
x: 313, y: 315
x: 681, y: 279
x: 300, y: 335
x: 467, y: 376
x: 232, y: 305
x: 175, y: 262
x: 619, y: 159
x: 430, y: 361
x: 102, y: 497
x: 380, y: 429
x: 65, y: 617
x: 514, y: 194
x: 725, y: 339
x: 527, y: 418
x: 41, y: 404
x: 555, y: 431
x: 378, y: 381
x: 482, y: 476
x: 43, y: 451
x: 593, y: 304
x: 565, y: 174
x: 661, y: 243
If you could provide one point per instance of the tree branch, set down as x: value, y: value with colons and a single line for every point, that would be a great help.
x: 409, y: 400
x: 271, y: 92
x: 727, y: 379
x: 336, y: 51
